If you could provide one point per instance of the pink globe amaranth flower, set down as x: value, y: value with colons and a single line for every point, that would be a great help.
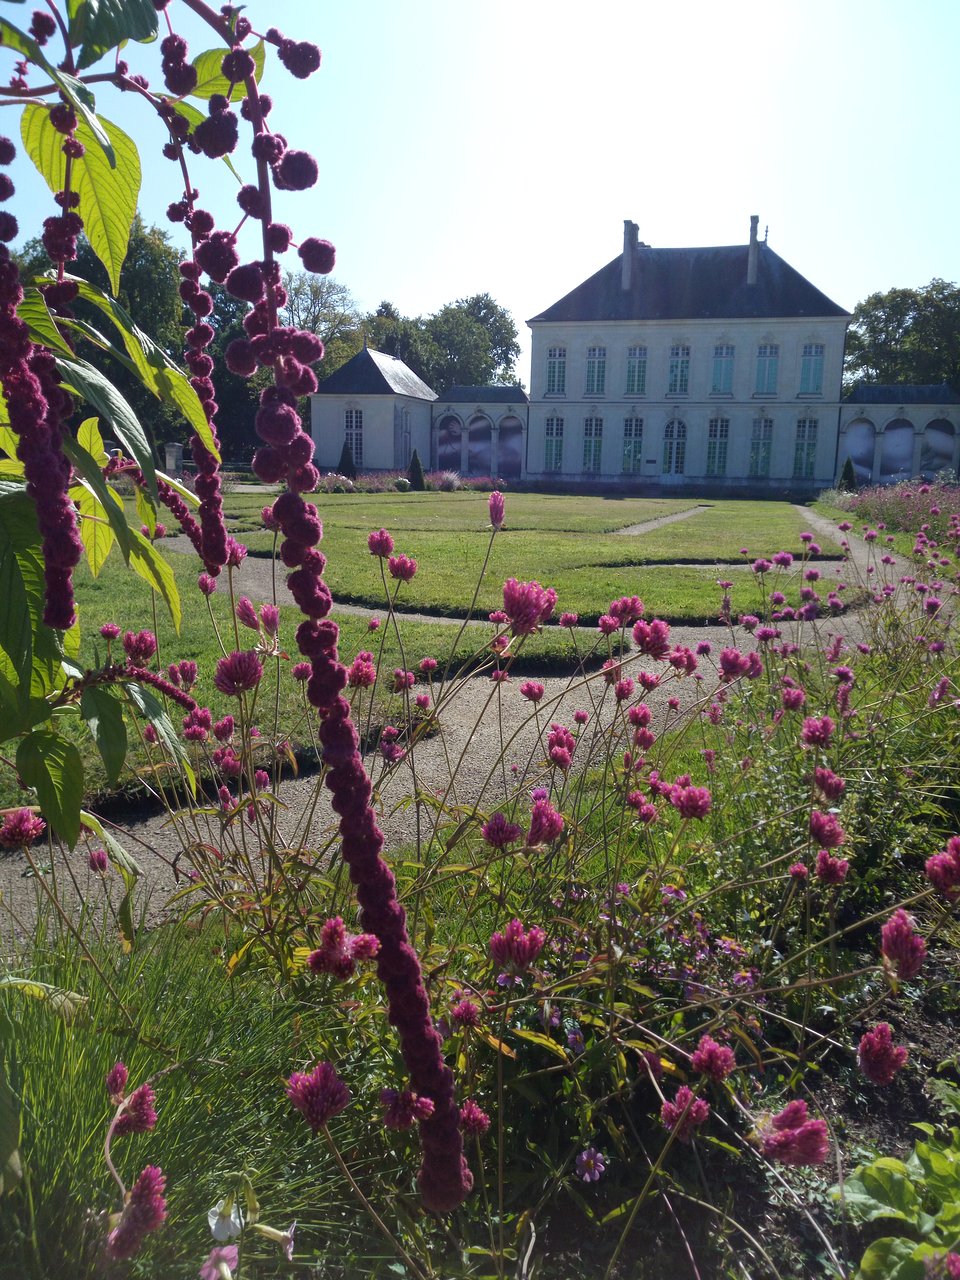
x: 901, y: 947
x: 339, y: 952
x: 144, y: 1211
x: 532, y: 690
x: 797, y: 871
x: 473, y: 1119
x: 527, y: 605
x: 21, y: 828
x: 402, y: 1109
x: 627, y: 610
x: 733, y: 665
x: 516, y: 949
x: 496, y: 506
x: 403, y: 680
x: 139, y: 1114
x: 246, y: 614
x: 581, y: 717
x: 546, y: 823
x: 623, y: 689
x: 792, y: 1138
x: 428, y: 666
x: 380, y: 543
x: 652, y: 638
x: 237, y: 673
x: 116, y: 1082
x: 465, y: 1013
x: 318, y: 1095
x: 793, y: 699
x: 110, y: 631
x: 569, y: 619
x: 607, y: 625
x: 206, y: 584
x: 220, y: 1256
x: 499, y: 832
x: 879, y: 1058
x: 373, y: 624
x: 690, y: 802
x: 301, y: 671
x: 830, y: 870
x: 139, y: 648
x: 712, y: 1059
x: 402, y: 568
x: 98, y: 861
x: 685, y: 1114
x: 827, y: 781
x: 362, y: 673
x: 817, y: 732
x: 943, y: 870
x: 826, y: 830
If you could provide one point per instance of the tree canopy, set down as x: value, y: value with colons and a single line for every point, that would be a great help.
x: 906, y: 335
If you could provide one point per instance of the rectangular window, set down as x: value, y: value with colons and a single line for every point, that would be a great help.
x: 556, y: 371
x: 805, y: 450
x: 674, y: 448
x: 553, y: 451
x: 636, y: 371
x: 632, y: 444
x: 718, y: 434
x: 679, y: 382
x: 353, y: 434
x: 592, y: 443
x: 811, y: 369
x: 722, y: 370
x: 761, y: 444
x: 768, y: 361
x: 596, y: 371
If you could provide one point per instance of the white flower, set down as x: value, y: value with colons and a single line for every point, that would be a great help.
x: 225, y: 1220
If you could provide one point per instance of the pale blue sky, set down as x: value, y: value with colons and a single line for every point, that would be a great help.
x: 466, y: 147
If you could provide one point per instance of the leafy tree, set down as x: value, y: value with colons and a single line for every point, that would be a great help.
x: 906, y: 335
x: 501, y: 331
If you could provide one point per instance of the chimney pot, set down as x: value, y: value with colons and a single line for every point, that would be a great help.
x: 753, y: 251
x: 631, y: 234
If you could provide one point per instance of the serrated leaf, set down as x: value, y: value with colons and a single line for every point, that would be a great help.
x: 67, y: 1004
x: 95, y: 531
x: 104, y: 717
x: 108, y: 194
x: 99, y: 26
x: 98, y: 391
x: 149, y: 564
x: 53, y: 767
x: 211, y: 80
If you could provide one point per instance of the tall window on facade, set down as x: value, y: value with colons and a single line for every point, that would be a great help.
x: 805, y: 449
x: 636, y: 371
x: 718, y: 434
x: 592, y: 443
x: 679, y: 382
x: 768, y: 363
x: 674, y: 448
x: 632, y: 444
x: 553, y: 447
x: 556, y: 371
x: 722, y: 369
x: 596, y: 371
x: 761, y: 445
x: 811, y: 369
x: 353, y: 434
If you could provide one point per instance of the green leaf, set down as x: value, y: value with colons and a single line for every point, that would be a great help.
x: 8, y: 441
x: 89, y: 438
x: 52, y: 766
x: 101, y: 25
x: 211, y: 80
x: 108, y: 195
x: 35, y: 314
x: 104, y: 717
x: 109, y: 498
x: 149, y: 564
x: 98, y: 391
x: 68, y: 1004
x: 149, y: 705
x: 891, y: 1258
x: 95, y: 531
x: 11, y: 1170
x: 538, y: 1038
x: 145, y: 510
x: 882, y: 1190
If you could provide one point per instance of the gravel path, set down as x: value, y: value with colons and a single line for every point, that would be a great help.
x: 647, y: 526
x: 486, y: 729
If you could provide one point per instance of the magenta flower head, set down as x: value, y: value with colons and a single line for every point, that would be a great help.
x: 499, y: 832
x: 246, y: 614
x: 318, y: 1095
x: 879, y: 1058
x: 826, y: 831
x: 527, y: 605
x: 712, y: 1059
x: 793, y: 1138
x: 690, y: 802
x: 116, y: 1082
x: 98, y: 861
x: 301, y: 671
x: 402, y: 568
x: 144, y: 1212
x: 403, y: 1108
x: 110, y: 631
x: 237, y: 673
x: 139, y: 1114
x: 817, y: 732
x: 206, y: 584
x: 380, y: 543
x: 516, y: 949
x: 943, y: 870
x: 340, y: 952
x: 20, y: 828
x: 830, y: 870
x: 685, y: 1114
x: 139, y: 648
x: 546, y: 824
x: 496, y: 506
x: 473, y: 1119
x: 532, y: 690
x: 903, y: 950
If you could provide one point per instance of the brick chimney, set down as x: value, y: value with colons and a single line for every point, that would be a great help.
x: 753, y: 251
x: 631, y: 234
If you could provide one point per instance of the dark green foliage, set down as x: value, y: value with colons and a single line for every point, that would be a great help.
x: 415, y: 473
x: 848, y: 477
x: 906, y: 335
x: 346, y: 466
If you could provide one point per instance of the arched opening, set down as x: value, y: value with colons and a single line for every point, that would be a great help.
x: 510, y: 448
x: 448, y: 443
x: 896, y: 451
x: 479, y: 437
x: 856, y: 443
x: 936, y: 453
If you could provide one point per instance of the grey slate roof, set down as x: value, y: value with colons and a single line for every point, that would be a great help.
x: 371, y: 373
x: 902, y: 393
x: 484, y: 395
x: 694, y: 284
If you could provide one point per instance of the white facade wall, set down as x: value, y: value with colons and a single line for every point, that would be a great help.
x: 658, y: 405
x: 384, y: 427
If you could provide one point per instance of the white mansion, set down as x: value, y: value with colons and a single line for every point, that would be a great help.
x: 715, y: 368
